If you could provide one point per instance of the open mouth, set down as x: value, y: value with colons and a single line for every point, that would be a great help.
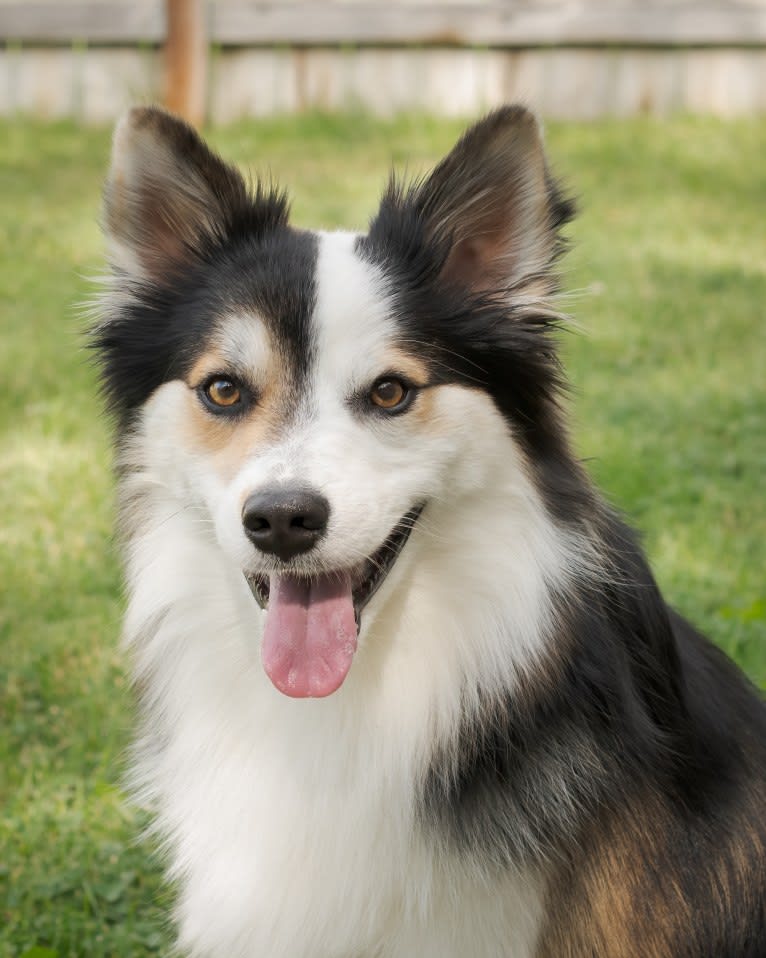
x: 312, y: 624
x: 366, y: 578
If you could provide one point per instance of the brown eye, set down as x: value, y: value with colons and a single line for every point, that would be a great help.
x: 391, y: 394
x: 223, y: 393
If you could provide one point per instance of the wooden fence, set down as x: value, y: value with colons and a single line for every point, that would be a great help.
x: 579, y: 60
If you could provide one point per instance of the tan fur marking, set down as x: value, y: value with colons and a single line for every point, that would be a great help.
x: 628, y: 903
x: 231, y: 442
x: 209, y: 363
x: 402, y: 362
x: 424, y: 410
x: 649, y: 885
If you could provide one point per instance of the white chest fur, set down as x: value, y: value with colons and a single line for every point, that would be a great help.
x: 292, y: 825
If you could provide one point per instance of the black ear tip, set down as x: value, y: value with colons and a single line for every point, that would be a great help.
x: 142, y: 117
x: 513, y: 116
x: 139, y: 116
x: 151, y: 115
x: 516, y: 113
x: 508, y: 127
x: 525, y: 123
x: 154, y: 121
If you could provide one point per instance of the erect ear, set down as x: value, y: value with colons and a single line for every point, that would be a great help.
x: 493, y: 202
x: 167, y: 195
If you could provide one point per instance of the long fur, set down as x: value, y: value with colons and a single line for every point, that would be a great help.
x: 532, y: 755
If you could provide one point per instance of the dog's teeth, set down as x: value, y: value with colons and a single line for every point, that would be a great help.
x: 259, y: 589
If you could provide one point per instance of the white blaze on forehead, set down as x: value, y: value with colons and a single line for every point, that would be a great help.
x: 352, y: 319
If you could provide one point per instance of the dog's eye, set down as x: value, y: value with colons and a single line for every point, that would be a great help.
x: 221, y: 393
x: 390, y: 394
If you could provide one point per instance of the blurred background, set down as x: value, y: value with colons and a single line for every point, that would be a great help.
x: 228, y: 59
x: 655, y: 117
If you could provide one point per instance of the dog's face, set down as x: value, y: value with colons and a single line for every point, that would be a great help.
x: 317, y: 397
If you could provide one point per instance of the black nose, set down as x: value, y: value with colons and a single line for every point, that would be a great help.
x: 285, y: 521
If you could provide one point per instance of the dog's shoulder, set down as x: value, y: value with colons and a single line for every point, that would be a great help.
x: 677, y: 866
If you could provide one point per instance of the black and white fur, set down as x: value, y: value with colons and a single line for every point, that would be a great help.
x: 531, y: 755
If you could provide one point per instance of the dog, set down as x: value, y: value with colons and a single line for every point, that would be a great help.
x: 407, y: 684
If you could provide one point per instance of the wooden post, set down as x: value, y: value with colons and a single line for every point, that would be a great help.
x: 186, y: 53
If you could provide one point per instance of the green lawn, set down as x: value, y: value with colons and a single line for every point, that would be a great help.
x: 669, y: 371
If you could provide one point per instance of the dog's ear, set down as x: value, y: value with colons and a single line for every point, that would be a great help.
x: 492, y: 202
x: 167, y: 196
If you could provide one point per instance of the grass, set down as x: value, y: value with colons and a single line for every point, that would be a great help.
x: 669, y: 265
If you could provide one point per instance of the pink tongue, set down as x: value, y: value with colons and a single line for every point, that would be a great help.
x: 310, y: 635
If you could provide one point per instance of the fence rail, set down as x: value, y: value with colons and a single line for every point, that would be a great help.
x: 326, y: 23
x: 569, y: 59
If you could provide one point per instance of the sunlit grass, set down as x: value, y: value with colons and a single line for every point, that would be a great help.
x: 669, y: 397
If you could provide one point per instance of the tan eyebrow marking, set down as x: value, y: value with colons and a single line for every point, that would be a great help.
x: 408, y: 365
x: 209, y: 363
x: 230, y: 442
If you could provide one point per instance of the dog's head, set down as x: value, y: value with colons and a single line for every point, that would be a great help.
x: 322, y: 396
